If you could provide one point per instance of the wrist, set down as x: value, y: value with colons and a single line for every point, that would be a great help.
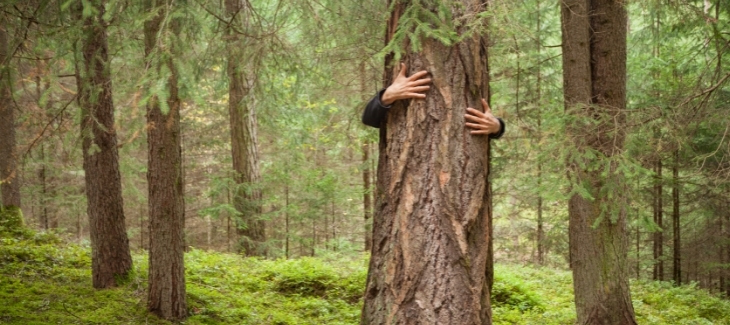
x: 386, y: 99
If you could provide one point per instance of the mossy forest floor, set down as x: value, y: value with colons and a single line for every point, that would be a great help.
x: 44, y: 281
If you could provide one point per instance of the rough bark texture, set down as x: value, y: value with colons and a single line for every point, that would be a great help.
x: 594, y: 63
x: 165, y: 177
x: 110, y: 257
x: 430, y: 259
x: 244, y: 142
x: 9, y: 180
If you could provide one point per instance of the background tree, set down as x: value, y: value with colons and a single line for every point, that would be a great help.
x: 110, y: 246
x: 165, y: 176
x: 594, y: 70
x: 9, y: 180
x: 242, y: 68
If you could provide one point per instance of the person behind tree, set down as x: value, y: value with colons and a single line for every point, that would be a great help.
x: 414, y: 87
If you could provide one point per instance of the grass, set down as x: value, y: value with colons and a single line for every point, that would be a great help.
x: 42, y: 282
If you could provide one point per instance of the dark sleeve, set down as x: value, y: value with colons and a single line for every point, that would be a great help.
x: 501, y: 130
x: 375, y: 111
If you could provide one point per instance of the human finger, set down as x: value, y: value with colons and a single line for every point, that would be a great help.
x: 485, y: 105
x: 402, y: 72
x: 475, y: 119
x: 420, y: 82
x: 419, y: 89
x: 475, y: 126
x: 476, y: 112
x: 415, y: 95
x: 418, y: 75
x: 480, y: 132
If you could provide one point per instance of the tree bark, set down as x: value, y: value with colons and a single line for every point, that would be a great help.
x: 9, y: 180
x: 166, y: 292
x: 658, y: 274
x: 430, y: 259
x: 244, y: 142
x: 677, y: 248
x: 110, y: 257
x: 538, y: 102
x: 366, y: 195
x: 594, y: 74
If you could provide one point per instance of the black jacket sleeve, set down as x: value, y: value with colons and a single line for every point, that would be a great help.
x: 501, y: 130
x: 375, y: 111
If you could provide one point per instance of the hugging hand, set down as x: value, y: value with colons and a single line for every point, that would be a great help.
x: 406, y: 87
x: 482, y: 122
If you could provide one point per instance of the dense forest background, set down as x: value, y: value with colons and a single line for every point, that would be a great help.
x: 309, y: 68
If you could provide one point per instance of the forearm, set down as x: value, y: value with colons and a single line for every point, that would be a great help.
x: 375, y: 111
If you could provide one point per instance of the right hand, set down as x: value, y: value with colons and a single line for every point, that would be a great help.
x: 406, y: 87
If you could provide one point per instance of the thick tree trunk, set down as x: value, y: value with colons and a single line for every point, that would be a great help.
x: 244, y: 143
x: 9, y: 180
x: 677, y: 248
x: 110, y: 257
x: 430, y: 259
x: 165, y: 177
x: 594, y: 63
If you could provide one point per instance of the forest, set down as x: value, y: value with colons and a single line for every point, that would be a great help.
x: 206, y: 162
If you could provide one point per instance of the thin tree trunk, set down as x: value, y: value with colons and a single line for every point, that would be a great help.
x: 366, y: 195
x: 244, y: 142
x: 594, y: 76
x: 141, y: 227
x: 228, y: 222
x: 677, y: 248
x: 727, y: 250
x: 44, y: 193
x: 430, y: 259
x: 638, y: 250
x: 334, y: 225
x: 658, y: 274
x: 165, y: 176
x: 110, y: 256
x: 721, y: 252
x: 9, y: 180
x: 367, y: 190
x: 326, y: 229
x: 286, y: 218
x: 538, y: 93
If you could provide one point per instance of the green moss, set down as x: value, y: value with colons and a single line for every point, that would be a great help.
x: 41, y: 283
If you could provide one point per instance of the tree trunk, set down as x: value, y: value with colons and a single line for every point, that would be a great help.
x: 677, y: 248
x: 9, y: 180
x: 430, y: 259
x: 244, y: 143
x: 110, y: 257
x: 286, y: 218
x: 165, y: 177
x: 366, y: 195
x: 594, y: 74
x: 658, y: 274
x: 538, y: 102
x: 727, y: 252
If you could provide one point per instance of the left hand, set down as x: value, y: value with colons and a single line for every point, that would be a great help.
x: 482, y: 122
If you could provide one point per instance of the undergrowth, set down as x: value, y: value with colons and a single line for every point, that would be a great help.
x: 45, y: 281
